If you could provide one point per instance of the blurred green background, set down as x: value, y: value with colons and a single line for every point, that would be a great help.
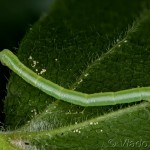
x: 16, y: 17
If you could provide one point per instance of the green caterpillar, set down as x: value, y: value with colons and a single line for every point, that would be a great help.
x: 74, y: 97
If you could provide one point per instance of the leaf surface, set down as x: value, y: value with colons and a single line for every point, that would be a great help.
x: 88, y: 46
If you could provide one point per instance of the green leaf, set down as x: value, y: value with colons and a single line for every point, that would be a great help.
x: 88, y: 46
x: 4, y: 143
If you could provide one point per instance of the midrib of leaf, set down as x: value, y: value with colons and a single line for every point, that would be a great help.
x: 135, y: 25
x: 29, y: 136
